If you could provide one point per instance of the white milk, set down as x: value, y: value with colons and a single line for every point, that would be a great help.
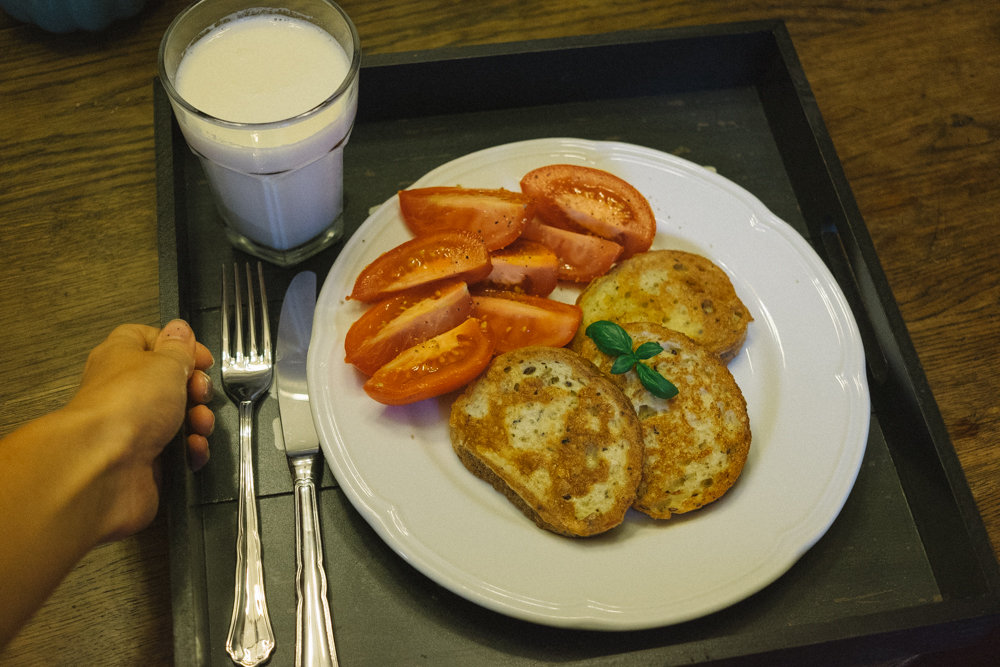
x: 275, y: 162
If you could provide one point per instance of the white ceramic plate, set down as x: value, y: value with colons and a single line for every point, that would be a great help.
x: 802, y: 372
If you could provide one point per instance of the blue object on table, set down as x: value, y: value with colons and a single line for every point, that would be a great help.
x: 69, y: 15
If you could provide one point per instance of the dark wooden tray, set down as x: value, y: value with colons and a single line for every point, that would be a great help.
x: 906, y: 567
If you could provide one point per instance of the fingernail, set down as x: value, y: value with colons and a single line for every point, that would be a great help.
x: 209, y: 387
x: 178, y: 330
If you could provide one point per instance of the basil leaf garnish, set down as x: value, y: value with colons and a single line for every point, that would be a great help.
x: 654, y: 382
x: 614, y: 341
x: 648, y: 349
x: 610, y: 338
x: 623, y: 364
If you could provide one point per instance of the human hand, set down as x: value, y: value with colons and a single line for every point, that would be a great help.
x: 144, y: 381
x: 89, y: 472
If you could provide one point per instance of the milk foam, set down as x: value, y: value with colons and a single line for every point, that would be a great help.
x: 261, y: 68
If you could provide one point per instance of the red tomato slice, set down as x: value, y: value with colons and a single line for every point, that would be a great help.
x: 497, y: 216
x: 394, y: 324
x: 573, y: 196
x: 526, y: 266
x: 518, y: 320
x: 441, y: 364
x: 423, y: 260
x: 582, y: 257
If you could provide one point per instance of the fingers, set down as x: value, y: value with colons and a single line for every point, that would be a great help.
x: 201, y: 420
x: 203, y: 359
x: 198, y: 452
x: 177, y: 340
x: 200, y: 388
x: 201, y: 423
x: 138, y: 335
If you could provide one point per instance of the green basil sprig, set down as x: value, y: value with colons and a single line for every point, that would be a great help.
x: 614, y: 341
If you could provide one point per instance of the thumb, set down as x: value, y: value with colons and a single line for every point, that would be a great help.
x: 177, y: 340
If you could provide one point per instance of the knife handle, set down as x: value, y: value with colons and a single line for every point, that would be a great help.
x: 314, y: 643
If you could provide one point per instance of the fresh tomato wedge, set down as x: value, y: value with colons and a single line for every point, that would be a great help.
x: 583, y: 198
x: 394, y: 324
x: 496, y: 216
x: 441, y: 364
x: 582, y: 257
x: 423, y: 260
x: 518, y: 320
x: 526, y: 266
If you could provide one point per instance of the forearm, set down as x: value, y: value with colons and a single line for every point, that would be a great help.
x: 89, y: 472
x: 51, y: 502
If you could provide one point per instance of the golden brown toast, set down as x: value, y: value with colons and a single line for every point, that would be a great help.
x: 555, y: 436
x: 697, y: 442
x: 676, y: 289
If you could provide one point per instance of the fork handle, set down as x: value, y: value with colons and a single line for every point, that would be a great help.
x: 251, y: 638
x: 314, y: 644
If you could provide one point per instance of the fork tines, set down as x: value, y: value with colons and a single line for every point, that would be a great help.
x: 253, y: 352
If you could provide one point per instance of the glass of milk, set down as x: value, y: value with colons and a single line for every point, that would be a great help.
x: 265, y: 94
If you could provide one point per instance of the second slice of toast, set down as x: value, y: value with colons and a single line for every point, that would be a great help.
x: 697, y: 442
x: 555, y: 436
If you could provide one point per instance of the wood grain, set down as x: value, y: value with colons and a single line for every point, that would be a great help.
x: 908, y: 89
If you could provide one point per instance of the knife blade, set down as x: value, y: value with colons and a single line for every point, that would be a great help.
x: 314, y: 644
x: 294, y: 332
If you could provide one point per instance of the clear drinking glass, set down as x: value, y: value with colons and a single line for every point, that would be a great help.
x: 277, y: 185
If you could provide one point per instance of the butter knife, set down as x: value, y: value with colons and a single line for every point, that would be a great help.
x: 314, y: 643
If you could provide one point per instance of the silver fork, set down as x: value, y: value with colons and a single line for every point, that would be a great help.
x: 246, y: 377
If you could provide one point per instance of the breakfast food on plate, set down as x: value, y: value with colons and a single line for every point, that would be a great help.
x: 696, y: 442
x: 519, y: 320
x: 403, y: 320
x: 578, y: 198
x: 422, y: 261
x: 496, y: 216
x: 641, y: 412
x: 441, y: 364
x: 524, y: 266
x: 581, y: 257
x: 555, y: 436
x: 676, y: 289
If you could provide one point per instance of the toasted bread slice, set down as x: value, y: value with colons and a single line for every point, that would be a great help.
x: 555, y: 436
x: 676, y: 289
x: 697, y: 442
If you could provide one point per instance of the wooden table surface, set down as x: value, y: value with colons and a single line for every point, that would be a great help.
x: 910, y: 91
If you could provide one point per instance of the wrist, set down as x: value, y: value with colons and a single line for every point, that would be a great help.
x: 51, y: 501
x: 87, y: 446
